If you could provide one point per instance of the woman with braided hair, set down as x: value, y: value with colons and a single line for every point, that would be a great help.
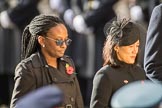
x: 120, y: 57
x: 44, y: 42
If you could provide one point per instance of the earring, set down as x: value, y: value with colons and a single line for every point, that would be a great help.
x: 43, y: 46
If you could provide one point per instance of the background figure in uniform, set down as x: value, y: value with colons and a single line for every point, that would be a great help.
x: 44, y: 42
x: 153, y: 47
x: 20, y: 15
x: 120, y: 57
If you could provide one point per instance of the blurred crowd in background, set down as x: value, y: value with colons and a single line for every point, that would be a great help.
x: 85, y: 20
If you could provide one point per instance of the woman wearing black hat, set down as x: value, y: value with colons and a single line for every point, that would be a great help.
x: 44, y: 42
x: 120, y: 58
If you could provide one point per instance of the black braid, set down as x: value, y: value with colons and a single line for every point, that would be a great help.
x: 38, y: 26
x: 25, y: 40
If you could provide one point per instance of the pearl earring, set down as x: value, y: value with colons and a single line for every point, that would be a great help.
x: 43, y: 46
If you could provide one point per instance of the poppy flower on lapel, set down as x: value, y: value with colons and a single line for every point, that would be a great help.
x: 69, y: 69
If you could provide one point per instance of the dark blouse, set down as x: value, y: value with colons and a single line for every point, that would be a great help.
x: 109, y: 79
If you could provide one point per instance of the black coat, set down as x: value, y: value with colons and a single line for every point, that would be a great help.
x: 33, y: 73
x: 153, y: 46
x: 108, y: 79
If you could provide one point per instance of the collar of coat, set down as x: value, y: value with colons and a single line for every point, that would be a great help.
x: 41, y: 62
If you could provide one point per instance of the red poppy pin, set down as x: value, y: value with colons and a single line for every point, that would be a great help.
x: 69, y: 69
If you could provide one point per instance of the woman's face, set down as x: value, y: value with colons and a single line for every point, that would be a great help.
x: 127, y: 54
x: 54, y: 35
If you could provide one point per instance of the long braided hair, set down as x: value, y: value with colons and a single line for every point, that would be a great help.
x: 40, y: 25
